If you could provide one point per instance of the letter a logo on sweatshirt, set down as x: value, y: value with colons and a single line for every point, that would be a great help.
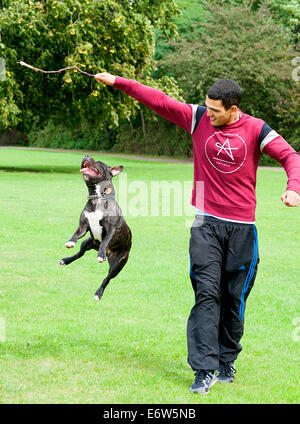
x: 226, y: 152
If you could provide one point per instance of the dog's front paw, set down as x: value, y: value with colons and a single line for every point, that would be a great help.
x: 101, y: 259
x: 70, y: 244
x: 98, y: 294
x: 62, y: 262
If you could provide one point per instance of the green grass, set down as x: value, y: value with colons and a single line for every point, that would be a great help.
x: 63, y: 347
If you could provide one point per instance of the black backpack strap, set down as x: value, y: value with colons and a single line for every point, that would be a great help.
x: 198, y: 112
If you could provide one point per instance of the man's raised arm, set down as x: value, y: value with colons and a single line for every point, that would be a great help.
x: 179, y: 113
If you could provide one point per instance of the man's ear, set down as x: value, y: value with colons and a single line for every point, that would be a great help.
x: 115, y: 170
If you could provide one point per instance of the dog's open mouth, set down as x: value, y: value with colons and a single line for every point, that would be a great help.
x: 90, y: 170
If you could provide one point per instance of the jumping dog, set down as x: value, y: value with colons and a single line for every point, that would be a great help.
x: 110, y: 236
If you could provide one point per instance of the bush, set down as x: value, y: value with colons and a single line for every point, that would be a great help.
x: 58, y: 136
x: 162, y: 138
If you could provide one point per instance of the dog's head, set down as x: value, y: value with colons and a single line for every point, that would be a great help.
x: 96, y: 171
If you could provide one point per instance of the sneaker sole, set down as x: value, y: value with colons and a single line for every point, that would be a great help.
x: 205, y: 391
x: 224, y: 381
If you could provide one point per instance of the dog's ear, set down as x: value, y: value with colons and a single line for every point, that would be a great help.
x: 115, y: 170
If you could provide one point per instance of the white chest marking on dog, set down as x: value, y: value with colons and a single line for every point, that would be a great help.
x: 94, y: 222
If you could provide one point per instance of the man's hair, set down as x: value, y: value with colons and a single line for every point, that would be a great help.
x: 226, y: 90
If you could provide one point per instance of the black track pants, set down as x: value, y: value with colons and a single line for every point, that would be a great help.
x: 224, y: 258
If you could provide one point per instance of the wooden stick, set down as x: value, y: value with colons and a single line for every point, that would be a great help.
x: 69, y: 68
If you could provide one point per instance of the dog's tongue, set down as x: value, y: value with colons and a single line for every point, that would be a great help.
x: 89, y: 171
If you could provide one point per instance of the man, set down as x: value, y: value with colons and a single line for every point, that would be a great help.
x: 223, y: 245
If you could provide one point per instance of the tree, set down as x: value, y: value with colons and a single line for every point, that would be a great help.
x: 115, y: 36
x: 285, y: 12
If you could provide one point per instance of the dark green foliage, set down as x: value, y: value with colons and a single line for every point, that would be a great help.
x: 160, y: 138
x: 115, y: 36
x: 60, y: 136
x: 285, y: 12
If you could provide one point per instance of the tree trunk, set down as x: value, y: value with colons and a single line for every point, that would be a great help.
x: 143, y: 126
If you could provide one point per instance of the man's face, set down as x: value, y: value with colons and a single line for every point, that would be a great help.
x: 218, y: 114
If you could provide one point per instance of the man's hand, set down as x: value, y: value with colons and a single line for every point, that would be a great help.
x: 291, y: 198
x: 105, y: 78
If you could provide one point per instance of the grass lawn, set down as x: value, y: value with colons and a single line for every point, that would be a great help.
x: 57, y: 345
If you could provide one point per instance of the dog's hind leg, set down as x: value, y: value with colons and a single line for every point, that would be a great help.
x: 87, y: 244
x: 116, y: 263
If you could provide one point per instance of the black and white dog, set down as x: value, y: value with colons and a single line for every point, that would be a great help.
x: 102, y: 217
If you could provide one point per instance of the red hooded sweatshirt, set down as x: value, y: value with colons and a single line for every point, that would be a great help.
x: 225, y: 158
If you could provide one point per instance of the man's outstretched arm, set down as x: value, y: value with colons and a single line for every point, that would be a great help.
x: 179, y: 113
x: 274, y: 145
